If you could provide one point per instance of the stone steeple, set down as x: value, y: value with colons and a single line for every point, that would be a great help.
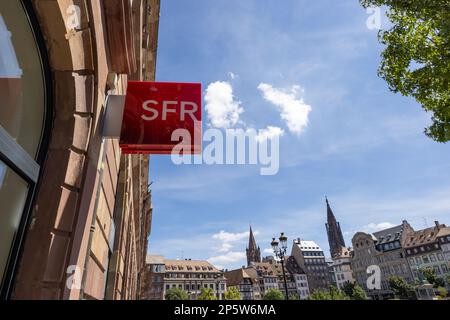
x: 253, y: 251
x: 334, y: 232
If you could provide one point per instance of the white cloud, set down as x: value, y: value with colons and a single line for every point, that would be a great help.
x: 269, y: 133
x: 268, y: 252
x: 294, y: 111
x: 225, y: 247
x: 231, y: 257
x: 374, y: 227
x: 228, y: 237
x: 371, y: 228
x: 222, y: 108
x: 228, y: 241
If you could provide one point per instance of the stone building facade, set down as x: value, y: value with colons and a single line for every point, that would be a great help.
x: 270, y: 276
x: 291, y: 271
x: 267, y: 277
x: 153, y: 279
x: 188, y: 275
x: 84, y: 233
x: 444, y: 240
x: 342, y: 267
x: 385, y: 250
x: 424, y: 249
x: 246, y: 281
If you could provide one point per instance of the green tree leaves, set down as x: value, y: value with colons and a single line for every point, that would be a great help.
x: 207, y: 294
x: 354, y: 291
x: 401, y: 288
x: 274, y: 294
x: 416, y: 59
x: 331, y: 294
x: 232, y: 294
x: 176, y: 294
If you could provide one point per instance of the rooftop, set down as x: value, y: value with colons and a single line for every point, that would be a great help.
x: 389, y: 235
x: 266, y: 268
x: 444, y: 232
x: 343, y: 253
x: 293, y: 267
x: 235, y: 277
x: 425, y: 236
x: 190, y: 266
x: 307, y: 245
x: 156, y: 259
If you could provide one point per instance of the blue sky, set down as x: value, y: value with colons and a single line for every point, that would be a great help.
x: 363, y: 146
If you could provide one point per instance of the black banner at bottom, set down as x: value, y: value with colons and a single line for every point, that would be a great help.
x: 180, y: 310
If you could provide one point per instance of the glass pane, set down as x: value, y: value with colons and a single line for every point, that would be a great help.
x: 22, y: 97
x: 13, y: 195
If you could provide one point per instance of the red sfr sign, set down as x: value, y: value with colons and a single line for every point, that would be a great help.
x: 154, y: 111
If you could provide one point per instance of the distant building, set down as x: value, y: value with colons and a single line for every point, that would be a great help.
x: 153, y: 279
x: 270, y: 276
x: 334, y: 232
x: 253, y: 274
x: 267, y: 277
x: 311, y: 258
x: 342, y: 268
x: 188, y: 275
x: 331, y: 274
x: 290, y: 278
x: 298, y: 277
x: 385, y: 250
x: 444, y: 240
x: 424, y: 250
x: 253, y: 251
x: 246, y: 281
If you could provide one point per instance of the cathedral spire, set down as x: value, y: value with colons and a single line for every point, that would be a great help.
x: 253, y: 251
x: 334, y: 232
x: 251, y: 240
x: 330, y: 214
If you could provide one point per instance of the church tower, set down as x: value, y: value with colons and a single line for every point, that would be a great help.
x: 335, y: 238
x: 253, y: 251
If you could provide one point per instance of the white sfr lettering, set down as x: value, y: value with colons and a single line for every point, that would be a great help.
x: 186, y: 108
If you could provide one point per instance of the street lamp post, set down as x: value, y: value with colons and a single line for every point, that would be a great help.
x: 280, y: 252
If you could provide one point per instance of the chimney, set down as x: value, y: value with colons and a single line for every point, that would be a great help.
x: 438, y: 225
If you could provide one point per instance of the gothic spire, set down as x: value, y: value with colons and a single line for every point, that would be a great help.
x: 253, y: 251
x: 334, y: 232
x: 251, y: 240
x: 330, y: 214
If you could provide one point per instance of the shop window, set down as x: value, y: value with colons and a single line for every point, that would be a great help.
x: 22, y: 122
x: 13, y: 196
x: 21, y: 79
